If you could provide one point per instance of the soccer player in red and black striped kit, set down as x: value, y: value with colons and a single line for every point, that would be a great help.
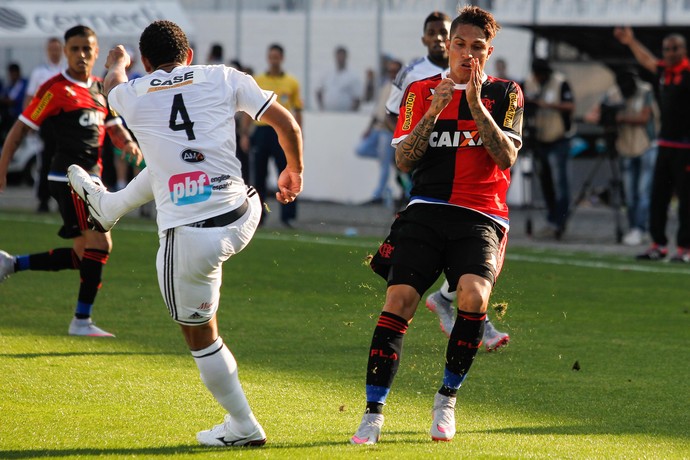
x: 460, y: 132
x: 75, y: 106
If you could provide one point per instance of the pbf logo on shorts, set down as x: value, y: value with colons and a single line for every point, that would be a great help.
x: 189, y: 188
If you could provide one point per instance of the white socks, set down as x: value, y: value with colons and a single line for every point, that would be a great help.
x: 445, y: 293
x: 137, y: 193
x: 218, y: 370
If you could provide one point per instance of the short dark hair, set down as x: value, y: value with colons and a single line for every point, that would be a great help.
x: 163, y: 42
x: 277, y: 47
x: 79, y: 31
x: 475, y: 16
x: 436, y: 16
x: 217, y: 51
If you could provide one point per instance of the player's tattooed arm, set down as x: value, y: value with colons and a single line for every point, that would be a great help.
x: 501, y: 148
x: 412, y: 149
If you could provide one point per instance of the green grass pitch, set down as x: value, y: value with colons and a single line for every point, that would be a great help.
x: 298, y: 312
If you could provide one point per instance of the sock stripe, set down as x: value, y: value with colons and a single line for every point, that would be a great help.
x: 392, y: 324
x: 96, y: 255
x: 212, y: 349
x: 472, y: 316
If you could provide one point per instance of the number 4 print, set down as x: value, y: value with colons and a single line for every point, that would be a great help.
x: 186, y: 125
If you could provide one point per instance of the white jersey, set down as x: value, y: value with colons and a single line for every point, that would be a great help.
x: 184, y: 122
x: 416, y: 70
x: 40, y: 75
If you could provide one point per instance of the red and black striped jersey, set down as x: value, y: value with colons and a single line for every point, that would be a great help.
x: 78, y: 113
x: 456, y: 168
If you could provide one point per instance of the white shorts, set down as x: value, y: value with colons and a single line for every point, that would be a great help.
x: 190, y: 264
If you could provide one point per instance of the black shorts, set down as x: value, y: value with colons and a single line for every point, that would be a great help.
x: 429, y: 239
x: 72, y: 209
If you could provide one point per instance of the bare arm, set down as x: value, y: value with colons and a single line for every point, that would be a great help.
x: 290, y: 138
x: 412, y: 149
x: 642, y: 54
x: 123, y: 141
x: 116, y: 63
x: 14, y: 138
x: 501, y: 148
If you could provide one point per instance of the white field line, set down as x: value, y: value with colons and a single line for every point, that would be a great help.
x: 345, y: 241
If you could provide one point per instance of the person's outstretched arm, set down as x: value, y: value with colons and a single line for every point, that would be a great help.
x: 645, y: 57
x: 290, y: 138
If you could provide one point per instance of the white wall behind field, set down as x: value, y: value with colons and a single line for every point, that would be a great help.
x: 333, y: 172
x: 309, y: 57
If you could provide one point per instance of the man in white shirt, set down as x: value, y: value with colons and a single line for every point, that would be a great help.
x: 340, y: 89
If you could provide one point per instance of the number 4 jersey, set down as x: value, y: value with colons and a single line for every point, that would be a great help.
x: 184, y: 121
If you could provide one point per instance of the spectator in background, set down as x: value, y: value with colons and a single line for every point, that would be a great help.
x: 340, y: 89
x: 376, y: 140
x: 672, y: 167
x: 549, y: 99
x: 263, y: 143
x: 629, y: 112
x: 12, y: 98
x: 215, y: 54
x: 39, y: 75
x: 501, y: 69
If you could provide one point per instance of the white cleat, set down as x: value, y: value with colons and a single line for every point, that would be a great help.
x: 86, y: 328
x: 226, y: 435
x: 443, y: 425
x: 444, y: 309
x: 90, y: 190
x: 369, y: 431
x: 494, y: 339
x: 6, y: 265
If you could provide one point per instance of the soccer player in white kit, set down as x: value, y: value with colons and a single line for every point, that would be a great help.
x: 184, y: 119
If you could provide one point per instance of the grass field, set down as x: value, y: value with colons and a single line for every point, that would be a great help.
x: 298, y: 313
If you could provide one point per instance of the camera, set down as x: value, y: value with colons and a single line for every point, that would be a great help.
x: 607, y: 118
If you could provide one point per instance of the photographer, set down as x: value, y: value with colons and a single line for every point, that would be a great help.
x: 550, y: 104
x: 629, y: 112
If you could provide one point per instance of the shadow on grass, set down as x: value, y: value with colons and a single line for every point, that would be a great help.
x: 68, y: 354
x: 158, y: 451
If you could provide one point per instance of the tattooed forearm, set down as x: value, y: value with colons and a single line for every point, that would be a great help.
x: 412, y: 149
x: 500, y: 147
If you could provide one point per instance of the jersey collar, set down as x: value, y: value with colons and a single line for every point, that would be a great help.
x: 460, y: 86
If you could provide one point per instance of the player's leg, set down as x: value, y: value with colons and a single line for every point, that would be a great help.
x: 94, y: 249
x: 412, y: 268
x: 441, y: 303
x: 106, y: 208
x: 475, y: 261
x: 384, y: 358
x: 465, y: 340
x: 189, y: 264
x: 218, y: 370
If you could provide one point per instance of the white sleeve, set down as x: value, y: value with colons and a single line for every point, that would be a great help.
x: 251, y: 99
x: 394, y: 98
